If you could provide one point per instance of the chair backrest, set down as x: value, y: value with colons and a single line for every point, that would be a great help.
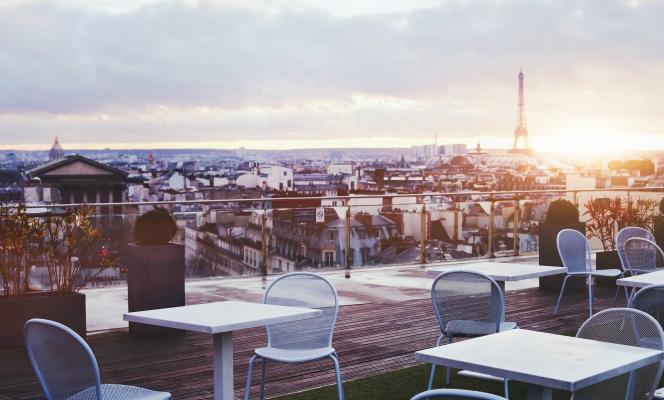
x: 650, y: 300
x: 467, y: 295
x: 303, y: 289
x: 627, y: 233
x: 456, y: 394
x: 629, y: 327
x: 63, y: 362
x: 574, y: 251
x: 641, y: 254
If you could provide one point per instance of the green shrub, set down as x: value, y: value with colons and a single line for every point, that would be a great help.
x: 562, y: 211
x: 155, y: 227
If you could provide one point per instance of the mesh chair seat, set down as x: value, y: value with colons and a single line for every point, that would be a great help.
x: 611, y: 273
x: 293, y: 355
x: 461, y: 327
x: 120, y: 392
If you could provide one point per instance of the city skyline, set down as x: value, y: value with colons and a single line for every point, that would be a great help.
x: 268, y: 75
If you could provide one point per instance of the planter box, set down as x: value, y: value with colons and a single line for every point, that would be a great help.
x: 15, y: 311
x: 659, y: 231
x: 548, y: 255
x: 155, y: 280
x: 607, y: 260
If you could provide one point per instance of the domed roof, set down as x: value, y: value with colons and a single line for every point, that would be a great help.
x: 56, y: 151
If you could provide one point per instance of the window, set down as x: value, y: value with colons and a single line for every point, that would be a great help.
x: 362, y: 234
x: 331, y: 235
x: 328, y: 258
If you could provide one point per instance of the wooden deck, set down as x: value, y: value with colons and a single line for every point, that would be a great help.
x: 370, y: 339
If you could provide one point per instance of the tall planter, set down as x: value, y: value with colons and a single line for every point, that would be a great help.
x: 607, y: 260
x: 659, y: 230
x: 548, y: 254
x: 15, y: 311
x: 155, y: 280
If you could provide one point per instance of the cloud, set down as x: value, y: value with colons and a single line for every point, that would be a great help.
x: 272, y: 69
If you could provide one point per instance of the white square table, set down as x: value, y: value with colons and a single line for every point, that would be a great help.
x: 542, y: 360
x: 642, y: 280
x: 220, y: 319
x: 502, y: 272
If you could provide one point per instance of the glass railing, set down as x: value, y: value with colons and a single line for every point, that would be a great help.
x: 259, y: 237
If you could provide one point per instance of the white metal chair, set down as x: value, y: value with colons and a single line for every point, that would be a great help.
x: 468, y: 304
x: 67, y: 369
x: 456, y: 394
x: 650, y: 300
x: 623, y: 236
x: 629, y: 327
x: 642, y: 255
x: 304, y: 340
x: 575, y: 254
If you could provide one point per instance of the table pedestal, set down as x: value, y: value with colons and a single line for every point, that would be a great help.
x: 223, y: 366
x: 536, y: 392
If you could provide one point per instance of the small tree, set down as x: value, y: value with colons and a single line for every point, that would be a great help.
x: 17, y: 232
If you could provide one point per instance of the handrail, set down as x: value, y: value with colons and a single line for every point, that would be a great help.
x: 514, y: 193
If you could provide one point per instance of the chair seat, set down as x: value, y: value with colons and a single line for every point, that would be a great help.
x: 659, y: 394
x: 462, y: 327
x: 293, y: 355
x: 120, y: 392
x: 599, y: 272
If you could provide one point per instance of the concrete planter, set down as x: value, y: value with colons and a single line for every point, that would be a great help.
x: 548, y: 255
x: 66, y: 308
x: 155, y: 280
x: 607, y: 260
x: 659, y: 231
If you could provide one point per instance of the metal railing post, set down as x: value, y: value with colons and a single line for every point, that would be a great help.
x: 576, y: 198
x: 264, y: 248
x: 423, y: 241
x: 492, y: 210
x: 517, y: 222
x: 348, y: 258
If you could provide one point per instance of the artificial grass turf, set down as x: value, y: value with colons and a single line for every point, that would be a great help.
x: 405, y: 383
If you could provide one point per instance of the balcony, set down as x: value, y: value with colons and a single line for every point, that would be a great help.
x: 385, y: 314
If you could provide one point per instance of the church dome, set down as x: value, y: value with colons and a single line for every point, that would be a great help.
x: 56, y: 151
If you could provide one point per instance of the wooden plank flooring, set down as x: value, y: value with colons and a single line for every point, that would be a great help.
x: 370, y: 339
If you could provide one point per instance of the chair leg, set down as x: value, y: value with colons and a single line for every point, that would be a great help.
x: 433, y: 366
x: 448, y: 370
x: 590, y: 296
x: 250, y: 370
x: 560, y: 296
x: 340, y: 387
x: 506, y: 387
x: 263, y: 362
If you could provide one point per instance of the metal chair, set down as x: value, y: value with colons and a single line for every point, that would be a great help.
x: 67, y: 368
x: 629, y: 327
x: 641, y: 255
x: 457, y: 394
x: 575, y: 254
x: 650, y: 300
x: 468, y: 304
x: 305, y: 340
x: 623, y: 236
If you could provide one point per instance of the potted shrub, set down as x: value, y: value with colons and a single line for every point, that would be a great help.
x: 155, y: 276
x: 607, y: 217
x: 562, y: 214
x: 63, y: 243
x: 658, y: 225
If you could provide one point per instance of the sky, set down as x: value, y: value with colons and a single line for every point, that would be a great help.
x: 343, y: 73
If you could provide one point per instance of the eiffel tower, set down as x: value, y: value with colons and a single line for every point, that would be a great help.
x: 520, y: 145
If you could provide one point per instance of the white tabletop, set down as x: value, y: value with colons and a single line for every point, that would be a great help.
x: 544, y: 359
x: 643, y: 280
x: 223, y: 316
x: 502, y: 271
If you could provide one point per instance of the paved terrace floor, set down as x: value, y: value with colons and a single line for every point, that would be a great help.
x: 380, y: 327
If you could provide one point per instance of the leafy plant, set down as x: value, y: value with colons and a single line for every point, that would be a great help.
x: 610, y: 215
x: 661, y: 206
x: 68, y: 242
x: 562, y: 211
x: 17, y: 231
x: 155, y: 227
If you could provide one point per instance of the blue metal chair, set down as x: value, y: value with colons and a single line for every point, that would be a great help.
x: 575, y: 254
x: 67, y: 368
x: 623, y: 236
x: 468, y: 304
x: 650, y: 300
x: 304, y: 340
x: 628, y: 327
x: 457, y: 394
